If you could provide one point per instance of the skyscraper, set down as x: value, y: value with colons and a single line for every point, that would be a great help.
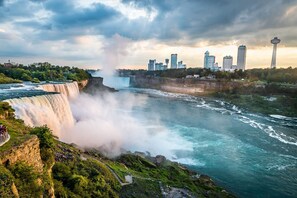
x: 180, y: 65
x: 241, y: 57
x: 274, y: 41
x: 209, y: 61
x: 173, y: 61
x: 167, y: 62
x: 227, y: 62
x: 159, y: 66
x: 206, y: 55
x: 151, y: 65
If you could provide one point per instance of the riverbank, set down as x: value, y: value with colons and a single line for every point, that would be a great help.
x: 258, y: 97
x: 6, y: 80
x: 75, y: 171
x: 66, y: 170
x: 191, y: 86
x: 269, y: 105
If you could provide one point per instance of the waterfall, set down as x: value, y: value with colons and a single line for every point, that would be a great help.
x: 71, y: 90
x: 52, y: 110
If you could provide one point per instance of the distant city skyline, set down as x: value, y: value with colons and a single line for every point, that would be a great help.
x: 127, y: 33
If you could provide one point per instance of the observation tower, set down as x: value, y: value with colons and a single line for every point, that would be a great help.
x: 274, y: 41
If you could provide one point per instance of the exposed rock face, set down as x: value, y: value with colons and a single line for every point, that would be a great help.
x: 184, y: 86
x: 159, y: 160
x: 95, y: 85
x: 14, y: 190
x: 27, y: 152
x: 82, y: 84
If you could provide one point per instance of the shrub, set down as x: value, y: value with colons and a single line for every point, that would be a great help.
x: 26, y: 180
x: 6, y: 181
x: 45, y: 136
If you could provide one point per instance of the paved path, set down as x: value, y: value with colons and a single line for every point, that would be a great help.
x: 5, y: 140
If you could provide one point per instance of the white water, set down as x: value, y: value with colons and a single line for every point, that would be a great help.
x: 69, y: 89
x: 52, y: 110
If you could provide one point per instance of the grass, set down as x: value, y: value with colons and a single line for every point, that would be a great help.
x: 18, y: 133
x: 85, y: 177
x: 147, y: 177
x: 87, y: 174
x: 6, y: 80
x: 142, y: 188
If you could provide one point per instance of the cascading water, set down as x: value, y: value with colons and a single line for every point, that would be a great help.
x: 71, y: 90
x: 52, y: 110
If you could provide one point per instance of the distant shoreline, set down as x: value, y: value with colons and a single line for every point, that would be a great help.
x: 252, y: 96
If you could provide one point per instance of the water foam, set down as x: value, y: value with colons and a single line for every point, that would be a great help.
x: 227, y: 108
x: 70, y: 90
x: 268, y: 130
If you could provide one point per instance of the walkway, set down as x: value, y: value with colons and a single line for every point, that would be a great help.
x: 2, y: 143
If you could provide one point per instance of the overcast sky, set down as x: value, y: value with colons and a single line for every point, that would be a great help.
x: 126, y: 33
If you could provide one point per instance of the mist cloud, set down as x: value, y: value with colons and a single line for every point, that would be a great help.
x: 108, y: 123
x: 114, y: 50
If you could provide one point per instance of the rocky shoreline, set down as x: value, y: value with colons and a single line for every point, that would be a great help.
x: 196, y: 87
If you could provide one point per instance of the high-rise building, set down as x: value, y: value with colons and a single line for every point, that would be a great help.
x: 151, y: 65
x: 167, y: 61
x: 209, y: 61
x: 159, y: 66
x: 227, y: 62
x: 241, y: 57
x: 274, y: 41
x: 206, y: 55
x: 180, y: 65
x: 173, y: 61
x: 164, y: 67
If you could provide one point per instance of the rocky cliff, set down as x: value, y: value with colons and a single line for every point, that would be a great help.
x: 185, y: 86
x: 82, y: 84
x: 95, y: 85
x: 27, y: 152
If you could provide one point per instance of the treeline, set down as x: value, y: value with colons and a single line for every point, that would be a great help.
x: 44, y: 72
x: 183, y: 73
x: 283, y: 75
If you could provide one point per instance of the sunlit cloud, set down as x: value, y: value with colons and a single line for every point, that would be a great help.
x: 76, y: 32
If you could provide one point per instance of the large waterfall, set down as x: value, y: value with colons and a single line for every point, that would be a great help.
x: 71, y: 90
x: 52, y: 110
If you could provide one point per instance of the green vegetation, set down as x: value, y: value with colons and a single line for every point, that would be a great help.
x: 47, y: 144
x: 70, y: 172
x: 82, y: 177
x: 27, y: 180
x: 86, y: 178
x: 5, y: 80
x: 182, y: 73
x: 6, y: 181
x: 148, y: 177
x: 6, y: 111
x: 142, y: 188
x: 43, y: 72
x: 263, y: 97
x: 282, y: 75
x: 17, y: 130
x: 250, y: 89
